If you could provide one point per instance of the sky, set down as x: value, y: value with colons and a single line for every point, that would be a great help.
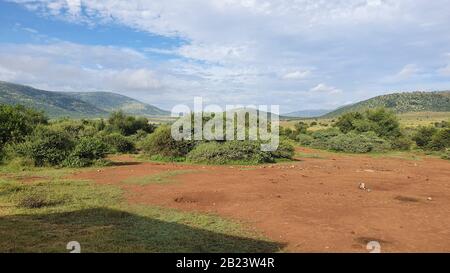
x: 299, y: 54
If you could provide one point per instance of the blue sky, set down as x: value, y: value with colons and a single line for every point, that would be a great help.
x: 299, y: 54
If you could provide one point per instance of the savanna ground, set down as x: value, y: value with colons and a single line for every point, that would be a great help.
x: 312, y: 204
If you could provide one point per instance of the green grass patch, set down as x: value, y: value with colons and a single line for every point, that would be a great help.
x: 97, y: 217
x: 159, y: 178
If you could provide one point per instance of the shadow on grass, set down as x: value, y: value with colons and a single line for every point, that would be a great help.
x: 108, y: 230
x: 125, y: 163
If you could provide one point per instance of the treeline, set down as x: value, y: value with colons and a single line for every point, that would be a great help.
x: 28, y: 138
x: 375, y: 130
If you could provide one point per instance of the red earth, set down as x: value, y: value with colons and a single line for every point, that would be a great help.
x: 313, y: 204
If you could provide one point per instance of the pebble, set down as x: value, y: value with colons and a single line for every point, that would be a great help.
x: 430, y: 199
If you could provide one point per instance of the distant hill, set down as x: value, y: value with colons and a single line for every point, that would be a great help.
x: 307, y: 113
x: 438, y: 101
x: 108, y: 101
x: 77, y: 105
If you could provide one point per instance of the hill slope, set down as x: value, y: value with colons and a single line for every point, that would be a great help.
x: 307, y: 113
x: 74, y: 104
x: 53, y: 103
x: 108, y: 101
x: 401, y: 103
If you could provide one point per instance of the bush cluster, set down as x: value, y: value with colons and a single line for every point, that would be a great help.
x: 237, y: 152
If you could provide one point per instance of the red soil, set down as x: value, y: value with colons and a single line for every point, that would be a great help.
x: 314, y: 204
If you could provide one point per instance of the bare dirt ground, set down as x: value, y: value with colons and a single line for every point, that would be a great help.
x: 313, y: 204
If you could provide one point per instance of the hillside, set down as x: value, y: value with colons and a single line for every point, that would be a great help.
x: 108, y: 101
x: 53, y: 104
x: 74, y: 104
x: 307, y: 113
x: 401, y: 103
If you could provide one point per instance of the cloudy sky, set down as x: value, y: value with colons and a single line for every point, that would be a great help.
x: 300, y: 54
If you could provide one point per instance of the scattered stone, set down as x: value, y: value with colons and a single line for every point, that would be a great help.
x: 430, y: 199
x: 362, y: 186
x: 369, y: 190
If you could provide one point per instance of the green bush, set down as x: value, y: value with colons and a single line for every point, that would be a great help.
x: 76, y: 128
x: 229, y: 152
x: 17, y: 122
x: 381, y: 121
x: 128, y: 125
x: 304, y: 139
x: 161, y: 143
x: 46, y: 147
x: 424, y: 135
x: 357, y: 143
x: 238, y: 152
x: 321, y: 137
x: 119, y: 143
x: 86, y: 151
x: 440, y: 140
x: 401, y: 143
x: 284, y: 150
x: 446, y: 155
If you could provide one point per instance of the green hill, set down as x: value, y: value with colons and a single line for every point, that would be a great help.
x: 108, y: 101
x: 53, y: 104
x: 76, y: 104
x: 401, y: 103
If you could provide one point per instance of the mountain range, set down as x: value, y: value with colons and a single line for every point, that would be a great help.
x: 75, y: 104
x: 100, y: 104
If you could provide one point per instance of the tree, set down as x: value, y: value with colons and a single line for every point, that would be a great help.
x: 129, y: 125
x: 16, y: 122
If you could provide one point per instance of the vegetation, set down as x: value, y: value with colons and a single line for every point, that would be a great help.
x: 229, y: 152
x: 373, y: 131
x: 78, y: 104
x: 28, y: 138
x: 161, y: 143
x: 401, y: 103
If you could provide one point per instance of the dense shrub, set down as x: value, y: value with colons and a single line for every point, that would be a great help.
x: 118, y: 143
x: 424, y: 135
x: 46, y: 146
x: 301, y: 127
x: 305, y: 139
x: 238, y: 152
x: 384, y: 123
x: 128, y: 125
x: 17, y: 122
x: 321, y: 137
x: 440, y: 140
x: 401, y: 143
x: 161, y: 143
x: 357, y: 143
x: 89, y: 149
x: 446, y: 155
x: 76, y: 128
x: 229, y: 152
x: 284, y: 150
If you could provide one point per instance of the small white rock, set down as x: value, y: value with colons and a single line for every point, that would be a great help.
x: 430, y: 199
x: 362, y: 186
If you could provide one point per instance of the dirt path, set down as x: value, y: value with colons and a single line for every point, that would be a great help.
x: 315, y: 204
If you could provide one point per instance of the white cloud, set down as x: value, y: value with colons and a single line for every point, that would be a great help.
x: 323, y: 88
x: 297, y: 75
x: 256, y: 48
x: 68, y: 66
x: 407, y: 72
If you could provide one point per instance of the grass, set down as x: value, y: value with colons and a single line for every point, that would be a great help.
x: 159, y: 178
x: 101, y: 221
